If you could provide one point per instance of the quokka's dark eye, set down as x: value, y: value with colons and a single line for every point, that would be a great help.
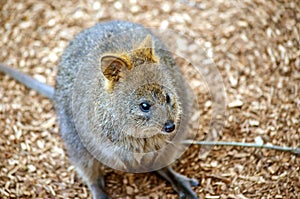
x: 145, y: 106
x: 168, y: 99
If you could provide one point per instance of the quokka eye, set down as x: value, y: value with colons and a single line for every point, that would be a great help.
x: 168, y: 99
x: 145, y: 107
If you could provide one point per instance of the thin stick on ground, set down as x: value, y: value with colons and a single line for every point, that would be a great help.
x: 241, y: 144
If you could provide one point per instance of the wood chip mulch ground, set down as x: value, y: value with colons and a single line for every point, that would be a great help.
x: 255, y: 45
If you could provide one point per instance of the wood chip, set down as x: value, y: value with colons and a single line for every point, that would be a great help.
x: 235, y: 104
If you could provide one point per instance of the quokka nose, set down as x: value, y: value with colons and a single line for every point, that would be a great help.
x: 169, y: 126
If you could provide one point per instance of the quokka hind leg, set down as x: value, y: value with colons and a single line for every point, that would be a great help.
x: 91, y: 173
x: 181, y: 184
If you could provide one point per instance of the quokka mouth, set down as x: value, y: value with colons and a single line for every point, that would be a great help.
x: 147, y: 132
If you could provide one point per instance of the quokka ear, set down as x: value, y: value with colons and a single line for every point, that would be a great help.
x: 146, y: 50
x: 113, y: 67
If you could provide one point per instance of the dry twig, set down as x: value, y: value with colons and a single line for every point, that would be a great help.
x: 242, y: 144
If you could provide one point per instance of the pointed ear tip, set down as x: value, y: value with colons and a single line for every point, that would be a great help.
x: 148, y: 38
